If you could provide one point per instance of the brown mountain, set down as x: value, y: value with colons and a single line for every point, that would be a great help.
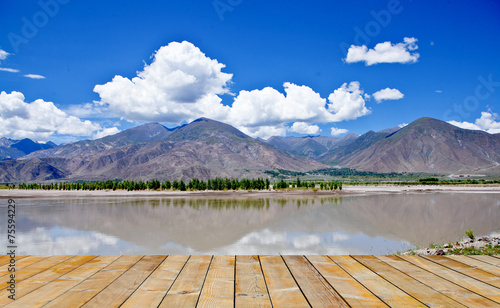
x: 312, y: 146
x: 140, y: 134
x: 430, y: 145
x: 202, y: 149
x: 354, y: 146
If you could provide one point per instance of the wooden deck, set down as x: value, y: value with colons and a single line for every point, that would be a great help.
x: 253, y: 281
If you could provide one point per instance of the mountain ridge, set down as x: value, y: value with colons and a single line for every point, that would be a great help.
x: 206, y: 149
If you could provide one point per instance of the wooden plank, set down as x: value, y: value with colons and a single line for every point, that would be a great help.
x: 315, y: 288
x: 376, y: 284
x: 354, y: 293
x: 83, y: 292
x: 20, y: 263
x: 5, y: 260
x: 480, y: 265
x: 462, y: 280
x: 187, y: 287
x: 119, y: 290
x: 487, y: 259
x: 467, y: 270
x: 250, y: 289
x: 47, y: 276
x: 218, y: 289
x: 48, y: 292
x: 36, y: 268
x: 416, y: 289
x: 154, y: 289
x: 462, y: 288
x: 282, y: 287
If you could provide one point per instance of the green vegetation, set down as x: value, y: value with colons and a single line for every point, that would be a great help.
x: 469, y: 233
x: 429, y: 181
x: 488, y: 249
x: 194, y: 184
x: 355, y: 177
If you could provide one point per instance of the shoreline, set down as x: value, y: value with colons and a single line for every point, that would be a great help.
x: 348, y: 190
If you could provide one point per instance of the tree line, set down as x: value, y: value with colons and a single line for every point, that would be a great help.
x: 130, y: 185
x: 193, y: 184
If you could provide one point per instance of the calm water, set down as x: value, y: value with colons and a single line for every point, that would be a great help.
x: 377, y: 224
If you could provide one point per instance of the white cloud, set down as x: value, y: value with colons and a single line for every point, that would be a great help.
x: 38, y: 120
x: 106, y: 132
x: 338, y: 131
x: 347, y: 102
x: 34, y: 76
x: 384, y: 52
x: 387, y: 94
x: 3, y: 55
x: 10, y: 70
x: 304, y: 128
x: 252, y: 110
x: 487, y: 122
x: 438, y: 91
x: 180, y: 84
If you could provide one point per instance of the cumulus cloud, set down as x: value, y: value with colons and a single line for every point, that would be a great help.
x: 347, y: 102
x: 304, y: 128
x: 300, y: 105
x: 34, y: 76
x: 387, y: 94
x: 38, y: 120
x: 384, y: 52
x: 338, y: 131
x: 10, y: 70
x: 180, y: 84
x: 487, y: 122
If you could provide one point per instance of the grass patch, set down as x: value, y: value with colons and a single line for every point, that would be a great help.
x: 488, y: 250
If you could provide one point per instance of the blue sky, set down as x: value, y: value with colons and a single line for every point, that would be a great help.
x: 233, y: 60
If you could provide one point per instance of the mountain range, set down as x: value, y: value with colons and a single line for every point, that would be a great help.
x: 13, y: 149
x: 206, y: 149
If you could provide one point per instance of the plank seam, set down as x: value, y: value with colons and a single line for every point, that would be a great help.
x: 57, y: 277
x: 294, y: 279
x: 388, y: 280
x: 451, y: 268
x: 359, y: 281
x: 486, y: 262
x: 463, y: 287
x: 474, y: 266
x: 19, y: 268
x: 175, y: 279
x: 204, y: 279
x: 265, y: 282
x: 419, y: 280
x: 42, y: 270
x: 111, y: 281
x: 143, y: 280
x: 326, y: 280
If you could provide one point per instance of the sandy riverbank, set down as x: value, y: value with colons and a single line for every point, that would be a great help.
x: 348, y: 190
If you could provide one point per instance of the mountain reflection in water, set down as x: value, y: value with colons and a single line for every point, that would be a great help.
x: 372, y: 224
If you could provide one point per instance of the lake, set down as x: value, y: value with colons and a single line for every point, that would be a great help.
x: 367, y: 224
